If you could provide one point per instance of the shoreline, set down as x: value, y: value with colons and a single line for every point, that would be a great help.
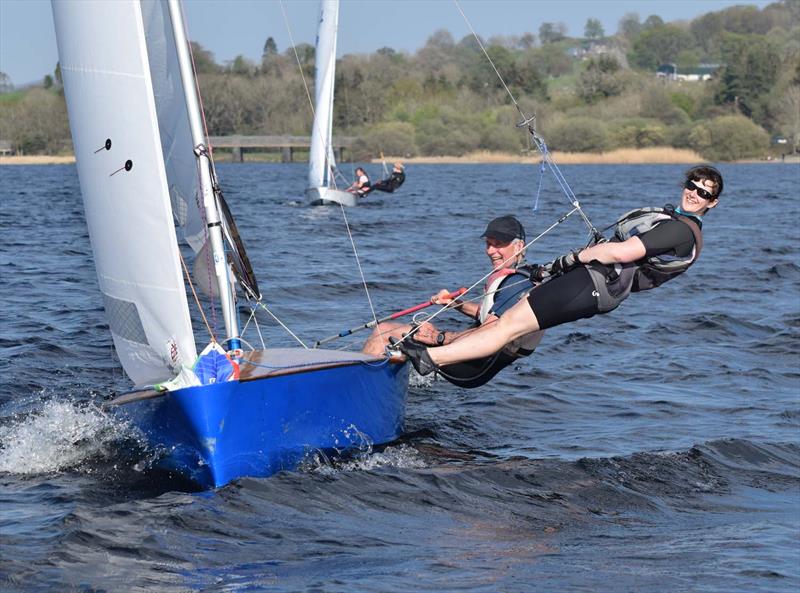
x: 622, y: 156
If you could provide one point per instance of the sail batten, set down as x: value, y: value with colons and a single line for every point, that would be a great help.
x: 110, y: 96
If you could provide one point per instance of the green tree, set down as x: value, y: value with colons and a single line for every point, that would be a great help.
x: 659, y: 45
x: 270, y: 48
x: 37, y: 123
x: 602, y: 77
x: 203, y: 59
x: 552, y: 32
x: 629, y: 26
x: 578, y: 134
x: 751, y: 69
x: 730, y: 138
x: 652, y: 22
x: 593, y: 29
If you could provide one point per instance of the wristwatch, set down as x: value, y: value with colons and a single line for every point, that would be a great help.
x: 440, y: 339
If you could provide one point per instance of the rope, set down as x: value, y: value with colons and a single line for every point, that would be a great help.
x: 530, y: 124
x: 252, y: 318
x: 358, y: 261
x: 196, y: 299
x: 297, y: 57
x: 290, y: 332
x: 331, y: 177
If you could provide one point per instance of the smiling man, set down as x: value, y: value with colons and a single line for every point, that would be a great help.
x: 508, y: 283
x: 649, y: 247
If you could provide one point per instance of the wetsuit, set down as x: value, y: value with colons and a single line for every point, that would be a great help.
x: 392, y: 183
x: 596, y: 288
x: 501, y: 294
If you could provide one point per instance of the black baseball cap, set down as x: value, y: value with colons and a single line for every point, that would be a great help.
x: 506, y: 228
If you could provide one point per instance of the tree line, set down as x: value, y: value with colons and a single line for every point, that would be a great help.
x: 591, y: 93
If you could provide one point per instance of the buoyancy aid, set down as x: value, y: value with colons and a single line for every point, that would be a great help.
x: 503, y: 289
x: 654, y: 271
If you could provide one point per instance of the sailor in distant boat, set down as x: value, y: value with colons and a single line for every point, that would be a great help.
x: 509, y: 283
x: 650, y: 247
x: 393, y: 182
x: 361, y: 186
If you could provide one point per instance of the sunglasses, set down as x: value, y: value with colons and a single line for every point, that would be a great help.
x: 703, y: 193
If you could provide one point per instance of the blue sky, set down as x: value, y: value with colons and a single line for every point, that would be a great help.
x: 232, y: 27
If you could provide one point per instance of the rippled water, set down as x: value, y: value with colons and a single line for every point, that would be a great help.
x: 651, y: 449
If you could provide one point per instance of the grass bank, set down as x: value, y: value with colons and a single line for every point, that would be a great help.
x: 622, y: 156
x: 37, y: 159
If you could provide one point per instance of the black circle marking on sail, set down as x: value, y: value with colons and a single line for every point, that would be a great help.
x: 127, y: 167
x: 106, y: 146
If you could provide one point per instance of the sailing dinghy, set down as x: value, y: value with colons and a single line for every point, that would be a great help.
x: 148, y: 180
x: 321, y: 162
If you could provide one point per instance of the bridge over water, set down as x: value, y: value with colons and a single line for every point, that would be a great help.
x: 239, y: 145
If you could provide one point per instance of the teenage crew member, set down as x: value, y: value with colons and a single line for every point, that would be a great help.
x: 360, y: 186
x: 650, y: 246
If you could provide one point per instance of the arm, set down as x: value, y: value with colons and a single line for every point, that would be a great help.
x: 428, y: 334
x: 469, y: 309
x: 614, y: 253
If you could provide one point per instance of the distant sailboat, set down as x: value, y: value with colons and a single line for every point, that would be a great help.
x: 321, y: 161
x: 144, y: 170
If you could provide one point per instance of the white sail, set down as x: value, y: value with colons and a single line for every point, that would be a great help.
x: 321, y: 159
x: 110, y: 99
x: 173, y: 123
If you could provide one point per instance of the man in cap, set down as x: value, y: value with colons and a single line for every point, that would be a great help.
x: 394, y: 181
x: 508, y: 283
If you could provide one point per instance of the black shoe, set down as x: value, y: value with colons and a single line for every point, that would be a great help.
x: 417, y: 353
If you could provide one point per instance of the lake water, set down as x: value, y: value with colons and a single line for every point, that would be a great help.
x: 651, y: 449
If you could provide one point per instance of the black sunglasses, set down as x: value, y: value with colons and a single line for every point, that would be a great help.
x: 703, y: 193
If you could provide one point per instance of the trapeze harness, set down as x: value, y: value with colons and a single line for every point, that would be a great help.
x: 614, y: 283
x: 503, y: 290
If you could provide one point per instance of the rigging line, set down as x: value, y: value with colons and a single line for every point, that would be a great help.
x: 290, y: 332
x: 562, y: 181
x: 297, y: 57
x: 529, y: 122
x: 480, y: 43
x: 485, y: 276
x: 196, y: 299
x: 252, y: 318
x: 358, y: 261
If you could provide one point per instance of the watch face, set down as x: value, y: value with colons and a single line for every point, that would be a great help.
x: 440, y: 338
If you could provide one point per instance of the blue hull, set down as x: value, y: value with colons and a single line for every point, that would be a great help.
x: 216, y: 433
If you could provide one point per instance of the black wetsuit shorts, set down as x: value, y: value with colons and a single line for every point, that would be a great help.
x: 564, y: 299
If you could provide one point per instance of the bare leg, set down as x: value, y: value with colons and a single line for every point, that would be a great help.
x: 377, y: 341
x: 488, y: 339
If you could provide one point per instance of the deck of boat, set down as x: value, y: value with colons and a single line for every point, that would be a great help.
x: 259, y: 364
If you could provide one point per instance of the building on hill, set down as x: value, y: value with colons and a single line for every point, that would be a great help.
x: 699, y: 73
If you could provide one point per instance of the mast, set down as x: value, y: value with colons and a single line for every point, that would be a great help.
x: 221, y: 270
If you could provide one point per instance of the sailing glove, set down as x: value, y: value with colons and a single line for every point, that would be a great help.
x: 565, y: 263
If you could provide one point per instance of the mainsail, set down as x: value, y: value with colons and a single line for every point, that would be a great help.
x: 321, y: 160
x: 120, y: 159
